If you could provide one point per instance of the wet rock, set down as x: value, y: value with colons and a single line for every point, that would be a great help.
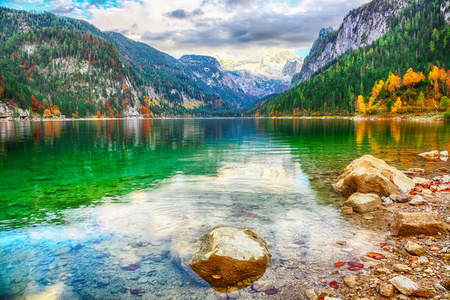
x: 417, y: 200
x: 417, y: 171
x: 430, y: 155
x: 262, y: 285
x: 363, y: 203
x: 414, y: 249
x: 407, y: 224
x: 401, y: 268
x: 271, y: 291
x: 405, y: 285
x: 311, y: 294
x: 387, y: 290
x: 349, y: 281
x: 371, y: 175
x: 228, y: 256
x: 346, y: 210
x: 103, y: 281
x: 234, y: 295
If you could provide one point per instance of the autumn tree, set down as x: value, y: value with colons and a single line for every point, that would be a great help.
x: 361, y: 105
x: 47, y: 113
x: 393, y: 82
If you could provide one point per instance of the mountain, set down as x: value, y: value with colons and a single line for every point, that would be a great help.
x: 240, y: 88
x: 360, y: 28
x: 281, y: 66
x: 208, y: 74
x: 148, y: 81
x: 418, y: 38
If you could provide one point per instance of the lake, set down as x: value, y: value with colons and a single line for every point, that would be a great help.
x: 102, y: 209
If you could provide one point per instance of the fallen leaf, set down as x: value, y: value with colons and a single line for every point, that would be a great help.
x: 383, y: 245
x: 271, y: 291
x: 376, y: 255
x: 435, y: 249
x: 355, y: 264
x: 299, y: 242
x: 421, y: 295
x: 216, y: 276
x: 249, y: 216
x: 354, y: 268
x: 339, y: 264
x: 412, y: 192
x: 333, y: 283
x: 389, y: 224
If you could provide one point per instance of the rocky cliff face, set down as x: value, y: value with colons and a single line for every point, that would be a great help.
x: 360, y: 27
x: 239, y: 88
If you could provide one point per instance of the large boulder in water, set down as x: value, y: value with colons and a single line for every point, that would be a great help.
x: 372, y: 175
x: 230, y: 258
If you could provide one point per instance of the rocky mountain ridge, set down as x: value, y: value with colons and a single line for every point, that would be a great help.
x: 240, y: 88
x: 359, y: 28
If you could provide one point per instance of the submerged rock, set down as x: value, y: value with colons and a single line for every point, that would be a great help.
x: 406, y: 224
x: 430, y: 155
x: 372, y: 175
x: 230, y: 258
x: 363, y: 203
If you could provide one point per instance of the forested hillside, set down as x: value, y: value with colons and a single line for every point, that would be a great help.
x: 66, y: 66
x: 418, y: 38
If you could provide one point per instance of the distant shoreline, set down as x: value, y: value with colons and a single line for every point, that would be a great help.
x: 355, y: 118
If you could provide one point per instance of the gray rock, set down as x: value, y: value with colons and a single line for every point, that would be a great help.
x: 403, y: 198
x: 388, y: 202
x: 405, y: 285
x: 363, y: 203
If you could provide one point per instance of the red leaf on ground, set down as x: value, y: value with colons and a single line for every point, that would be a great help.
x: 421, y: 295
x: 299, y: 242
x: 412, y: 192
x: 355, y: 264
x: 249, y: 216
x: 333, y: 283
x: 376, y: 255
x: 339, y: 264
x: 389, y: 224
x: 383, y: 245
x: 354, y: 268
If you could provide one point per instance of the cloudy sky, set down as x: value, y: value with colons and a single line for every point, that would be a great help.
x: 240, y: 29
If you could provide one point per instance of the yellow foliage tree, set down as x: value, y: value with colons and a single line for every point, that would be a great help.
x: 361, y: 105
x: 47, y: 113
x: 377, y: 88
x: 412, y: 77
x: 397, y: 105
x: 393, y: 82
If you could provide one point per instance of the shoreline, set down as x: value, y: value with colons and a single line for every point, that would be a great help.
x: 354, y: 118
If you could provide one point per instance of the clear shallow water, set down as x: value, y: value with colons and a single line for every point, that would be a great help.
x: 106, y: 209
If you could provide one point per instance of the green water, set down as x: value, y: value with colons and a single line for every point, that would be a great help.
x: 79, y: 199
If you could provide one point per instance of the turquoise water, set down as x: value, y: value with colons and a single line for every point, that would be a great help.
x: 107, y: 209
